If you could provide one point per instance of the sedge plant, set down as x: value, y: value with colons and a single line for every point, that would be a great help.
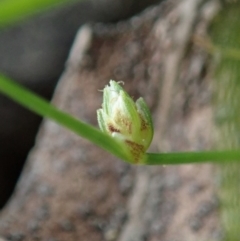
x: 116, y: 142
x: 129, y: 145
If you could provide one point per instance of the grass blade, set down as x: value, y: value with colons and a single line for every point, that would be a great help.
x: 191, y: 157
x: 40, y: 106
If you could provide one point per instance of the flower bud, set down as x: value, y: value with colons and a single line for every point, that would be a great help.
x: 128, y: 122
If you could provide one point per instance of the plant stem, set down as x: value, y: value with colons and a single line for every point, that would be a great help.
x: 192, y: 157
x: 40, y: 106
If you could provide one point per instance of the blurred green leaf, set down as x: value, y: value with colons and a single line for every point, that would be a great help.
x: 12, y: 11
x: 226, y: 35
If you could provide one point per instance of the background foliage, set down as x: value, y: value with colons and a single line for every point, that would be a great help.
x: 225, y: 34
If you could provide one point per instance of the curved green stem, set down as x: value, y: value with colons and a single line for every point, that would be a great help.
x: 191, y: 157
x: 40, y: 106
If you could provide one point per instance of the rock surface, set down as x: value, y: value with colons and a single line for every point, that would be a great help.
x: 34, y: 53
x: 72, y: 190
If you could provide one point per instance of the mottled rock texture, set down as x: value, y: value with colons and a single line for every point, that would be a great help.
x: 72, y: 190
x: 34, y: 53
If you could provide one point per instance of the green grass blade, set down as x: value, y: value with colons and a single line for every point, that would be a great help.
x: 40, y: 106
x: 191, y: 157
x: 14, y: 10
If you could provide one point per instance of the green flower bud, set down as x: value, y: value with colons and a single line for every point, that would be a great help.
x: 128, y: 122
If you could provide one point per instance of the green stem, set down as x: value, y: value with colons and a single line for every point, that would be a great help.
x: 40, y: 106
x: 191, y: 157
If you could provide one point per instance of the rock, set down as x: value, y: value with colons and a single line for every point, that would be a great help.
x: 33, y: 53
x: 158, y: 205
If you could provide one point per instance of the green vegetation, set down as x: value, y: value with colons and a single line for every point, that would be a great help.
x: 12, y: 11
x: 225, y: 49
x: 45, y: 109
x: 226, y: 35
